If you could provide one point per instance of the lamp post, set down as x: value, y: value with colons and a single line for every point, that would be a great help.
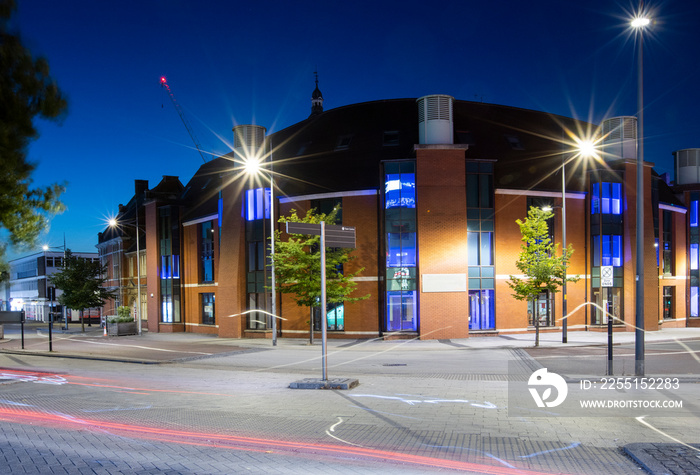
x: 113, y: 223
x: 639, y: 23
x: 252, y: 167
x: 584, y: 148
x: 46, y: 247
x: 564, y: 337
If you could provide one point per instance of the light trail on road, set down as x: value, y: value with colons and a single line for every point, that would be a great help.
x: 252, y: 444
x: 58, y: 379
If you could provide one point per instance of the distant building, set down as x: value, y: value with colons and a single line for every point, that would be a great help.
x: 433, y: 187
x: 30, y: 287
x: 123, y: 248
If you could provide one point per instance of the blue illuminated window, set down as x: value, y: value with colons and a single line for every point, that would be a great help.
x: 694, y: 214
x: 611, y: 250
x: 479, y: 249
x: 167, y: 309
x: 257, y: 204
x: 400, y: 191
x: 170, y: 267
x: 606, y: 198
x: 401, y: 250
x: 336, y: 316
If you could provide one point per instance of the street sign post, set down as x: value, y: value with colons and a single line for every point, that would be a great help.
x: 606, y: 276
x: 335, y: 235
x: 331, y: 236
x: 13, y: 317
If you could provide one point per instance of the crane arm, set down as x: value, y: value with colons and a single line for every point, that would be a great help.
x: 181, y: 113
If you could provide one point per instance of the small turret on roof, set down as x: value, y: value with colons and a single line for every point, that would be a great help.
x: 316, y: 99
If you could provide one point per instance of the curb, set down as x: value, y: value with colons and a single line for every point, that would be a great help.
x: 679, y: 459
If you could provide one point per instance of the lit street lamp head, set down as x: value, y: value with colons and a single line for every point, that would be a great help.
x: 640, y: 22
x: 587, y: 148
x: 252, y: 166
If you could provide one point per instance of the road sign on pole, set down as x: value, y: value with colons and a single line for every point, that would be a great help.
x: 331, y: 236
x: 336, y: 236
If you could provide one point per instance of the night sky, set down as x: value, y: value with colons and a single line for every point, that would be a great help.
x: 232, y: 63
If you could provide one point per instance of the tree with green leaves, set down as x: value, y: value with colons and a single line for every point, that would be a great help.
x: 543, y: 269
x: 81, y: 281
x: 298, y: 265
x: 27, y: 92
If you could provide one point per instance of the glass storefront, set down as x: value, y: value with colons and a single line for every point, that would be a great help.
x: 607, y: 249
x: 401, y: 246
x: 402, y: 311
x: 480, y: 245
x: 481, y: 310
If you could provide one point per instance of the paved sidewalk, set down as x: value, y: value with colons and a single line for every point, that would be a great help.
x: 154, y: 348
x: 165, y: 348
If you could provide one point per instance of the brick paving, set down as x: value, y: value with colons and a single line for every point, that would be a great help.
x: 671, y: 459
x: 490, y: 435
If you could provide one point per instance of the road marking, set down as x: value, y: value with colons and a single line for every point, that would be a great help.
x: 572, y: 446
x: 413, y: 402
x: 656, y: 353
x: 641, y: 420
x: 332, y: 429
x: 382, y: 412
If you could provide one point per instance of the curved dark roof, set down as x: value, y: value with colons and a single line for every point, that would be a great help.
x: 341, y: 149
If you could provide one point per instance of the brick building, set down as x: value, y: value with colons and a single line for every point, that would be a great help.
x: 433, y: 187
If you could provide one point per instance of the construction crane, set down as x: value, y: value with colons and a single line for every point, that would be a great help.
x: 181, y: 113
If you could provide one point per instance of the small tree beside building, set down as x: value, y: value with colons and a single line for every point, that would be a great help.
x: 298, y: 266
x: 543, y: 269
x: 81, y: 281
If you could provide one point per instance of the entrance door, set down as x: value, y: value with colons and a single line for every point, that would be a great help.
x: 401, y: 311
x: 608, y: 302
x: 481, y: 310
x: 542, y: 311
x: 668, y: 303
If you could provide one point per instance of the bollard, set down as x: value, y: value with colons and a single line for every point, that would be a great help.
x: 610, y: 345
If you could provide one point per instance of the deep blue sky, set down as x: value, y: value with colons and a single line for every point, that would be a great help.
x: 233, y: 63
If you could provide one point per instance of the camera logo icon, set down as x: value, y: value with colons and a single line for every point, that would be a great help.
x: 541, y: 379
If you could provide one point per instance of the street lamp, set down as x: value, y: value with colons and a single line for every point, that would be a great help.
x: 584, y: 149
x: 46, y: 247
x: 638, y: 24
x: 113, y: 224
x: 252, y: 166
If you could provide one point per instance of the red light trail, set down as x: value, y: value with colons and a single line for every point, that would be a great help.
x: 252, y: 444
x: 53, y: 378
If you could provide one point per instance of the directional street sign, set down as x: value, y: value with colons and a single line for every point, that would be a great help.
x: 331, y: 236
x: 336, y: 236
x: 11, y: 317
x: 303, y: 228
x: 340, y: 236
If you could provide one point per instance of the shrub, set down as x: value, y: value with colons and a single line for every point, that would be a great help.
x: 123, y: 315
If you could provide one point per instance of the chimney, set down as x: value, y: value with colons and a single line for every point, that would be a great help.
x: 140, y: 186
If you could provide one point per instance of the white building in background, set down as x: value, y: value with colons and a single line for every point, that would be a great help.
x: 30, y: 283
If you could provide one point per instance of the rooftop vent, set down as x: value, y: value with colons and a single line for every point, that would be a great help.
x: 620, y: 138
x: 248, y: 141
x: 687, y: 165
x: 435, y: 119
